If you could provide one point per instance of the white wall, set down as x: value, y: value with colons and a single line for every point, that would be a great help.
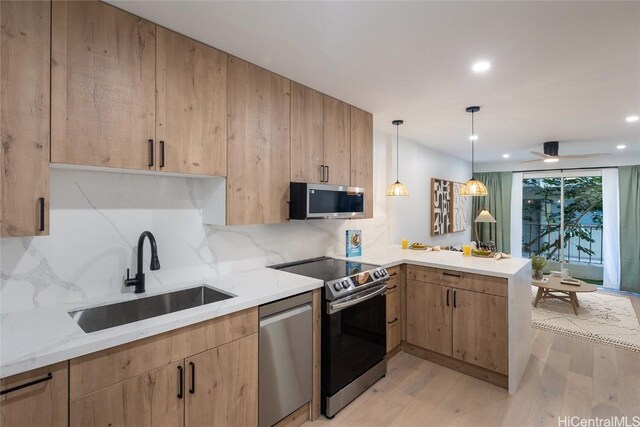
x: 96, y: 218
x: 410, y: 217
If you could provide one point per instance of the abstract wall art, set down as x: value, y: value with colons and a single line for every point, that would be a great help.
x: 448, y: 207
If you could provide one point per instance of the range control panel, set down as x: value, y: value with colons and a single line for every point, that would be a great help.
x: 347, y: 285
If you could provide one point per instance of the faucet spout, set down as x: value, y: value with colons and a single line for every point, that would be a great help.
x: 139, y: 280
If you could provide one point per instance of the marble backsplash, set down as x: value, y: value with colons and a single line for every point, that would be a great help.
x: 97, y: 217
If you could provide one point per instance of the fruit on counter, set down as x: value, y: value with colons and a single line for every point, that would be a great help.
x: 417, y: 245
x: 481, y: 252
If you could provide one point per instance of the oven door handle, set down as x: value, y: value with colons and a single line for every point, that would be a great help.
x: 337, y: 306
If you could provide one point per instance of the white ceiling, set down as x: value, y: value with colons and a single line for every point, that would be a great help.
x: 567, y: 71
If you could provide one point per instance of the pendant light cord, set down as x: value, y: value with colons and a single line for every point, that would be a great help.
x: 473, y: 143
x: 397, y: 152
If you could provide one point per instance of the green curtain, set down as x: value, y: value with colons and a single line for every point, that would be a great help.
x: 498, y: 203
x: 629, y: 182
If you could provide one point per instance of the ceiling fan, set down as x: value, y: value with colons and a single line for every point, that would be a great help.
x: 550, y: 154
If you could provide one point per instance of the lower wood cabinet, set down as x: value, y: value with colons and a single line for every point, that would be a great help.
x: 467, y: 325
x: 222, y: 385
x: 36, y: 398
x: 394, y: 313
x: 155, y: 398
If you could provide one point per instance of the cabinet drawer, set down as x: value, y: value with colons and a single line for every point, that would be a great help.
x: 393, y: 304
x: 483, y: 284
x: 424, y: 274
x: 393, y: 335
x: 394, y: 272
x: 97, y: 370
x: 42, y: 403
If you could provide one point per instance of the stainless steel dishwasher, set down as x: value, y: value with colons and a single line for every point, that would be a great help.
x: 285, y: 358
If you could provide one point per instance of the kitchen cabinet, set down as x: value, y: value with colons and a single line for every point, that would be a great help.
x: 222, y: 386
x: 320, y: 137
x: 24, y: 118
x: 480, y: 334
x: 362, y: 155
x: 463, y: 316
x: 259, y: 145
x: 102, y: 86
x: 337, y: 141
x: 394, y: 316
x: 429, y: 316
x: 202, y: 374
x: 155, y: 398
x: 42, y: 401
x: 191, y: 121
x: 307, y: 135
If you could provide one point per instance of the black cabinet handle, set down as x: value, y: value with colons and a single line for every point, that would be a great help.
x: 151, y: 153
x: 393, y: 274
x: 161, y: 154
x: 41, y: 209
x: 327, y: 178
x: 451, y: 274
x: 393, y: 321
x: 321, y: 173
x: 393, y: 287
x: 454, y: 299
x: 448, y: 292
x: 29, y: 384
x: 192, y: 389
x: 180, y: 382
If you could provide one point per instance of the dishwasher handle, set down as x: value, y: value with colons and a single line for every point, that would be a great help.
x: 265, y: 321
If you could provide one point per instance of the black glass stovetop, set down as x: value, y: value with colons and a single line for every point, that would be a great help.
x: 325, y: 268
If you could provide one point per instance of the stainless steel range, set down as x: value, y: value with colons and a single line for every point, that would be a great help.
x: 353, y: 326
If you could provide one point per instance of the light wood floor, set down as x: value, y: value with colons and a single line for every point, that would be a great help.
x: 565, y: 376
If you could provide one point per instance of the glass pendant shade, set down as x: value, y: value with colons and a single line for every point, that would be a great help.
x: 397, y: 189
x: 473, y: 187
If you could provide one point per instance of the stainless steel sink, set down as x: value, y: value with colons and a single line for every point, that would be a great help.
x: 108, y: 316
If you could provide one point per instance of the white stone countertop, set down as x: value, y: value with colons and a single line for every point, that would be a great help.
x: 42, y: 336
x: 395, y: 255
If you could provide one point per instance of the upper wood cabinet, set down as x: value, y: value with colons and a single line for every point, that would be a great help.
x: 191, y: 122
x: 24, y: 118
x: 307, y: 140
x: 102, y: 86
x: 259, y: 145
x: 38, y: 403
x: 320, y: 137
x: 362, y: 155
x: 337, y: 141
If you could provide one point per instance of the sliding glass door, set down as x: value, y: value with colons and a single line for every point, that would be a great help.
x: 562, y: 221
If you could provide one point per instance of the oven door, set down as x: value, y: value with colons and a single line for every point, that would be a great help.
x: 354, y: 337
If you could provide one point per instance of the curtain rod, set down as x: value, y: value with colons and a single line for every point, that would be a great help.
x: 566, y: 169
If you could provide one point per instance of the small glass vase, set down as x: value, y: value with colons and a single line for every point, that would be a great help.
x: 537, y: 275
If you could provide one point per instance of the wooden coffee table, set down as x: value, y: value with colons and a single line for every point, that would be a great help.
x: 568, y: 293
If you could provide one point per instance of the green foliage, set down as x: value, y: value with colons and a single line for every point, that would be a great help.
x: 538, y: 262
x: 582, y: 195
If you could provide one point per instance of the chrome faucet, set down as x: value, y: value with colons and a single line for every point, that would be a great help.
x: 138, y: 281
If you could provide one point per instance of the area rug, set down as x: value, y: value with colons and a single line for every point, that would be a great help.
x: 604, y: 317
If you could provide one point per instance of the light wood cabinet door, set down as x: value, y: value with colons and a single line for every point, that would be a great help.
x: 259, y: 145
x: 362, y: 155
x: 225, y: 392
x: 337, y: 141
x: 394, y: 320
x: 480, y: 330
x: 307, y: 135
x: 44, y: 403
x: 429, y: 316
x: 24, y: 118
x: 191, y: 122
x: 152, y: 399
x: 102, y: 86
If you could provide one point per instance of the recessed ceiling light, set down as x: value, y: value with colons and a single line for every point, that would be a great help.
x: 505, y: 156
x: 552, y: 160
x: 621, y: 147
x: 481, y: 66
x: 632, y: 119
x: 473, y: 138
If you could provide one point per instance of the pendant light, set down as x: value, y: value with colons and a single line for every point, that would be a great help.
x: 473, y: 187
x: 397, y: 188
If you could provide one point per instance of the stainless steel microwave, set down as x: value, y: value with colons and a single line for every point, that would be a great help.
x: 308, y: 201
